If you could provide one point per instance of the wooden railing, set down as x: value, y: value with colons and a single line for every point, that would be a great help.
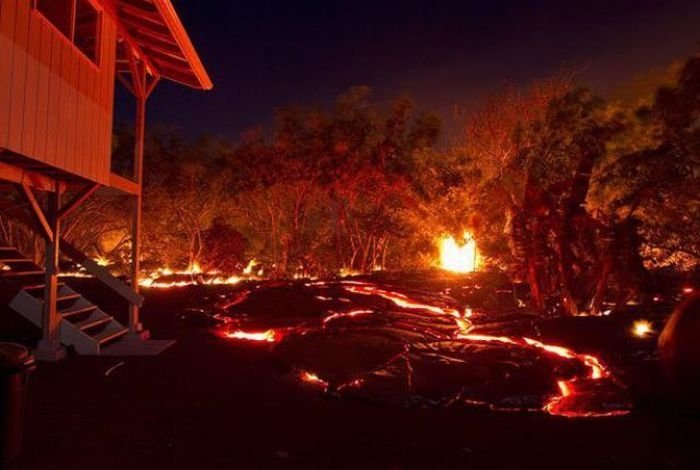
x: 101, y: 273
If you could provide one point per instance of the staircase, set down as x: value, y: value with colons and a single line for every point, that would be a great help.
x: 83, y: 325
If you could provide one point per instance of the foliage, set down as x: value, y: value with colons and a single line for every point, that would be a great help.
x: 570, y: 192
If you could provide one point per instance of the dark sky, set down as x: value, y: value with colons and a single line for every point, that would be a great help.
x: 265, y: 53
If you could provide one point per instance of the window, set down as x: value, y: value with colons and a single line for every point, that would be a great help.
x: 78, y: 20
x: 59, y: 13
x: 87, y: 29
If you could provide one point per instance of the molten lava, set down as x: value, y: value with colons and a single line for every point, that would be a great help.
x: 350, y: 314
x: 269, y: 336
x: 314, y: 379
x: 458, y: 257
x: 431, y: 334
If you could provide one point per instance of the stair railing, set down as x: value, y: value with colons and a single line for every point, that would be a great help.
x: 101, y: 273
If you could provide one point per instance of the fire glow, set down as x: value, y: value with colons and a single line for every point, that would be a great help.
x: 642, y: 328
x: 269, y: 336
x: 458, y: 257
x: 193, y: 275
x: 311, y: 378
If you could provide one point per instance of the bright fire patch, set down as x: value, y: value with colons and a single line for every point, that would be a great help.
x: 458, y: 257
x: 263, y: 336
x: 642, y: 328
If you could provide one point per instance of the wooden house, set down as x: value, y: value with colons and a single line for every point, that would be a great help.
x: 59, y: 61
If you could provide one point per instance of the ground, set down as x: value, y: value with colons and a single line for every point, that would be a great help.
x: 209, y: 402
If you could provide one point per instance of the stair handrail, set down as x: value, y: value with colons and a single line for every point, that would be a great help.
x: 101, y: 273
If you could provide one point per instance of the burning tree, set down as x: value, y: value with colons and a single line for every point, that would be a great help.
x: 584, y: 187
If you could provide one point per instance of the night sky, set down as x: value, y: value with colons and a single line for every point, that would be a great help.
x: 265, y: 53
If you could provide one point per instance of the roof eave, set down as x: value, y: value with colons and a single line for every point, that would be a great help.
x: 172, y: 21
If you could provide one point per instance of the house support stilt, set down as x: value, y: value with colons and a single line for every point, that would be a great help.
x: 140, y: 81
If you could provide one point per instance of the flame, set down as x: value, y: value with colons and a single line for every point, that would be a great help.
x: 248, y: 270
x: 458, y: 257
x: 193, y: 268
x: 102, y: 261
x: 642, y: 328
x: 349, y: 272
x: 158, y: 279
x: 269, y: 336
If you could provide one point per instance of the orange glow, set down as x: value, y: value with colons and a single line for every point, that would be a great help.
x: 194, y: 268
x: 248, y: 270
x: 314, y: 379
x: 102, y: 261
x: 350, y: 314
x: 566, y: 387
x: 403, y: 301
x: 487, y: 338
x: 158, y: 278
x: 562, y: 402
x: 269, y: 336
x: 400, y: 300
x: 642, y: 328
x: 458, y: 257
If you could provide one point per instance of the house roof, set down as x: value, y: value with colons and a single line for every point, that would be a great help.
x: 157, y: 30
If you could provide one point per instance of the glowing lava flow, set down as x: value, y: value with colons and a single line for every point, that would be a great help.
x: 572, y: 392
x: 404, y: 301
x: 350, y: 314
x: 269, y: 336
x: 314, y: 379
x: 456, y: 257
x: 567, y: 388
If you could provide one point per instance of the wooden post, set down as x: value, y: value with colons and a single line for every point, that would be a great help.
x: 139, y: 81
x: 49, y: 347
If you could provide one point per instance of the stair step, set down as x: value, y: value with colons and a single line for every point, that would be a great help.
x: 108, y: 336
x: 41, y: 286
x: 89, y: 324
x: 67, y: 297
x: 15, y: 260
x: 6, y: 273
x: 78, y: 311
x: 33, y: 287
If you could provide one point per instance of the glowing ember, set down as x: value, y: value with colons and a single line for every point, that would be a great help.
x: 642, y: 328
x: 458, y: 257
x: 269, y: 336
x: 314, y: 379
